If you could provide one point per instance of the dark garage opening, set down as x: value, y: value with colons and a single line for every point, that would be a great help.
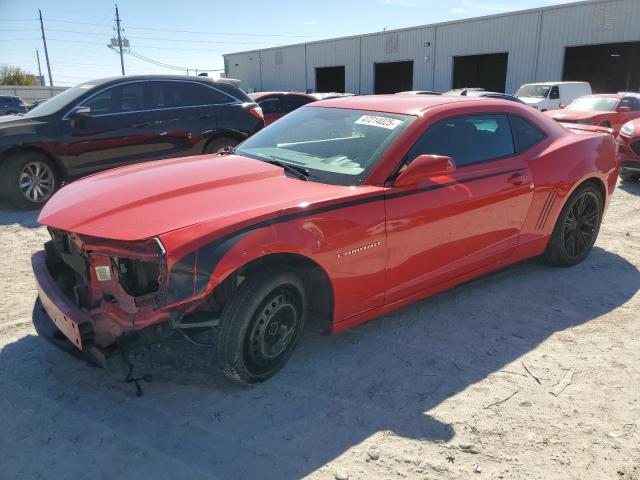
x: 481, y: 71
x: 330, y: 79
x: 393, y: 77
x: 609, y: 67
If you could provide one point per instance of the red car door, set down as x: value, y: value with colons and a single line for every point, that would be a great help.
x: 447, y: 226
x: 272, y: 108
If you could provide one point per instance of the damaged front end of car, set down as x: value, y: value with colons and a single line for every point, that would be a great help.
x: 96, y: 291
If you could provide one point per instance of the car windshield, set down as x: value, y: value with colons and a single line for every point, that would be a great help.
x: 536, y: 91
x: 60, y: 101
x: 336, y: 145
x: 593, y: 104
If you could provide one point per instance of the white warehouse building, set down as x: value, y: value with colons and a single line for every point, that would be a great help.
x: 596, y: 41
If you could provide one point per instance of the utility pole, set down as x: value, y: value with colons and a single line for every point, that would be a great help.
x: 39, y: 68
x: 38, y: 57
x: 46, y: 52
x: 119, y: 40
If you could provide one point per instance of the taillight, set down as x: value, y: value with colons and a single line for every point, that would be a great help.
x: 257, y: 112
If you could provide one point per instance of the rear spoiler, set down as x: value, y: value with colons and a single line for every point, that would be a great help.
x: 587, y: 128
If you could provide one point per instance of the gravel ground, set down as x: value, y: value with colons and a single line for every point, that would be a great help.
x: 531, y: 373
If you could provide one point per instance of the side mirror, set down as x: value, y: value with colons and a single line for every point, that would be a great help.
x: 424, y: 167
x: 624, y: 109
x: 81, y: 113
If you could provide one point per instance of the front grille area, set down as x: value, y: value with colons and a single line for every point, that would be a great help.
x: 68, y: 268
x: 635, y: 147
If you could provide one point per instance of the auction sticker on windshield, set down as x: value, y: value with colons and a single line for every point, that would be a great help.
x: 376, y: 121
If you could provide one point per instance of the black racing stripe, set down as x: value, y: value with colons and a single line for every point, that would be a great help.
x: 210, y: 254
x: 449, y: 184
x: 181, y: 279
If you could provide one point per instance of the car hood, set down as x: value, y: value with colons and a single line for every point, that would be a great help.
x: 532, y: 100
x: 9, y: 121
x: 146, y: 200
x: 573, y: 115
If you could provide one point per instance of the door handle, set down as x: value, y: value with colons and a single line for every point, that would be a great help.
x: 518, y: 178
x: 140, y: 124
x: 204, y: 116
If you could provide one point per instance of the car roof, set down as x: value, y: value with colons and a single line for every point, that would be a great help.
x: 557, y: 83
x: 264, y: 94
x: 129, y: 78
x: 393, y: 103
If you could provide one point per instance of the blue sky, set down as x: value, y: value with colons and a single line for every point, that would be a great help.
x: 194, y: 34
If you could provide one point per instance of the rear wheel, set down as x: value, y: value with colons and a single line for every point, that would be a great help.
x: 577, y: 227
x: 28, y: 179
x: 217, y: 144
x: 260, y: 326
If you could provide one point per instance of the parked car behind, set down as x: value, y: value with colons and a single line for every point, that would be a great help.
x: 276, y: 105
x: 118, y: 121
x: 552, y: 95
x: 606, y: 110
x: 418, y: 92
x: 477, y: 92
x: 10, y: 105
x: 342, y: 211
x: 328, y: 95
x: 629, y: 151
x: 35, y: 103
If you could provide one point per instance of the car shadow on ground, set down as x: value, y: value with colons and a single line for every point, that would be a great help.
x: 630, y: 187
x: 336, y: 392
x: 9, y: 215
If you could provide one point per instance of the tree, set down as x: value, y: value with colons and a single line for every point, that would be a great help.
x: 16, y: 76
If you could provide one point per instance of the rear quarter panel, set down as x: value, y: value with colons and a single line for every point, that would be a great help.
x: 561, y: 168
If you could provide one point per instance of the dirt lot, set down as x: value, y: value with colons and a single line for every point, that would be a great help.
x: 532, y: 373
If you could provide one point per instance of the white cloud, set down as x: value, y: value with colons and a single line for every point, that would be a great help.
x: 310, y: 22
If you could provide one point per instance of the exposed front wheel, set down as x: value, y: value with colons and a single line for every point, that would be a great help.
x: 577, y: 227
x: 260, y: 326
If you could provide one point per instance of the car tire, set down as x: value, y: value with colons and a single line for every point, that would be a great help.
x: 628, y: 177
x: 11, y: 112
x: 217, y: 144
x: 260, y: 327
x: 577, y: 227
x: 21, y: 168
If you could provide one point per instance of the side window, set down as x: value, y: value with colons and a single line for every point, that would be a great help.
x: 467, y: 140
x: 101, y: 104
x: 555, y: 93
x: 129, y: 97
x: 186, y: 94
x: 630, y: 102
x: 271, y: 106
x: 525, y: 135
x: 295, y: 101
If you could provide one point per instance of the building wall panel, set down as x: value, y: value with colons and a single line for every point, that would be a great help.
x: 332, y: 54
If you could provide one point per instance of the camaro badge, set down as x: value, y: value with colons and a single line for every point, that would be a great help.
x: 103, y: 273
x: 359, y: 249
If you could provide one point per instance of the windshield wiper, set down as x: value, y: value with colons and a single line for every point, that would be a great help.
x: 300, y: 172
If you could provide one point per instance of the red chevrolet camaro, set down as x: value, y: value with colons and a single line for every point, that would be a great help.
x: 343, y: 210
x: 629, y: 151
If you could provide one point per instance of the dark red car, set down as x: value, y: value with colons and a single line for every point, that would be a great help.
x: 605, y: 110
x: 342, y: 211
x: 276, y: 105
x: 629, y: 151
